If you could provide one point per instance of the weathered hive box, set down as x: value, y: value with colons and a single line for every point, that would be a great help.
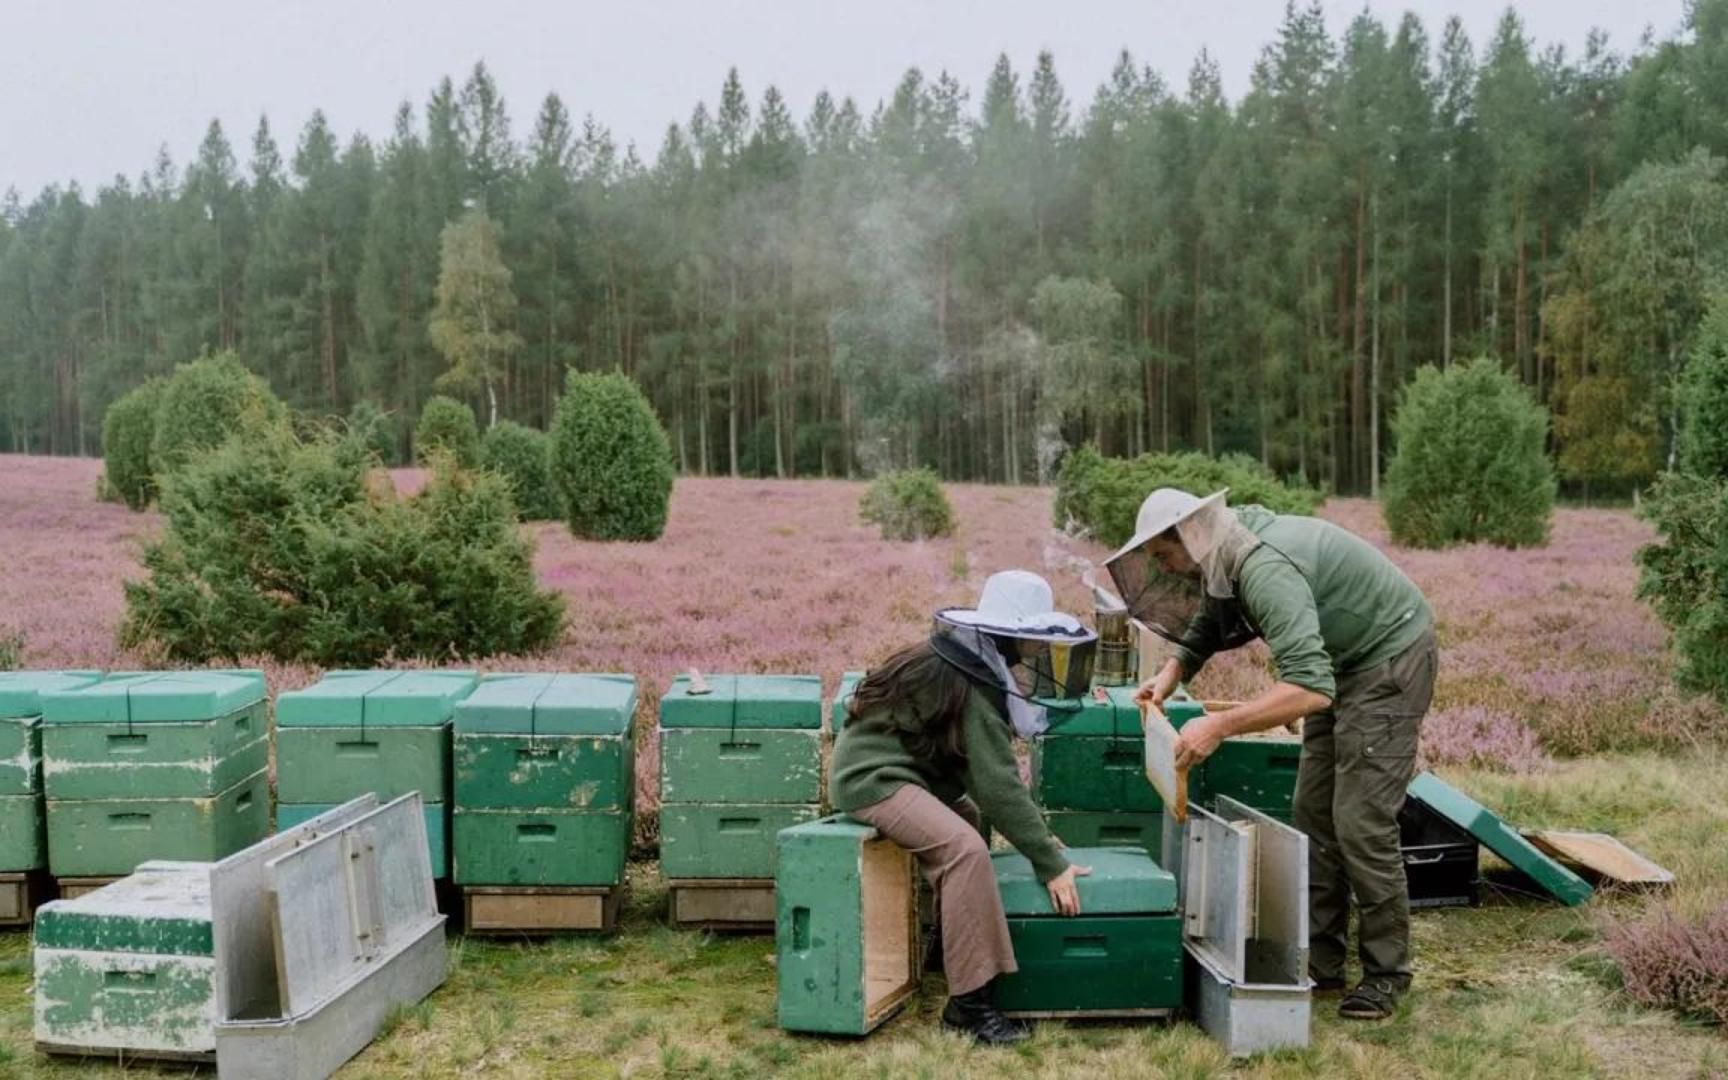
x: 1094, y: 759
x: 1121, y: 956
x: 737, y: 764
x: 154, y: 765
x: 846, y: 927
x: 385, y: 732
x: 1257, y: 770
x: 544, y: 780
x: 23, y: 839
x: 130, y: 968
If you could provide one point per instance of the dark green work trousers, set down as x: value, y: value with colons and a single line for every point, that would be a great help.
x: 1358, y: 758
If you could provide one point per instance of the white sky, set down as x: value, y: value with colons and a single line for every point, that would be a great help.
x: 89, y: 88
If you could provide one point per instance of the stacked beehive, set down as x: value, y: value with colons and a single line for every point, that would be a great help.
x: 1258, y: 770
x: 23, y: 839
x: 163, y: 765
x: 740, y: 759
x: 544, y: 785
x: 1089, y: 775
x: 386, y: 732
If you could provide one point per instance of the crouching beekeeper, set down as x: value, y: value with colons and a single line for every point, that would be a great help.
x: 929, y: 744
x: 1353, y: 641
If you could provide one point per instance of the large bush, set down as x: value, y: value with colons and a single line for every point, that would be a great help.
x: 204, y: 403
x: 611, y: 461
x: 1103, y: 495
x: 447, y: 427
x: 908, y: 505
x: 1704, y: 397
x: 277, y: 546
x: 1470, y: 462
x: 1683, y: 575
x: 523, y: 456
x: 128, y: 428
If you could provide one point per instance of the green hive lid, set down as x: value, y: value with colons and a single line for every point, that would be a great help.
x: 833, y: 826
x: 1499, y: 837
x: 376, y: 698
x: 1124, y: 881
x: 142, y: 697
x: 549, y: 705
x: 837, y: 712
x: 162, y: 908
x: 745, y: 701
x: 21, y: 691
x: 1116, y: 716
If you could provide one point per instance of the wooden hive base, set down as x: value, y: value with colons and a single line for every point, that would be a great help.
x: 71, y: 888
x: 124, y: 1057
x: 20, y: 895
x: 540, y: 909
x: 722, y: 903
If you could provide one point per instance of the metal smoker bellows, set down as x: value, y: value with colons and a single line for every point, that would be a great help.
x: 1117, y: 661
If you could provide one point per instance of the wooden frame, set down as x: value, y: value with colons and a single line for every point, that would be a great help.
x: 744, y: 904
x: 1167, y: 779
x: 893, y: 939
x: 21, y: 894
x: 540, y: 909
x: 71, y: 888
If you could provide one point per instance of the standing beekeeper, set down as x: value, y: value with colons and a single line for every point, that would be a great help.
x: 929, y: 744
x: 1353, y: 641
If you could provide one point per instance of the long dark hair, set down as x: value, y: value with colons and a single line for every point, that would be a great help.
x: 918, y: 695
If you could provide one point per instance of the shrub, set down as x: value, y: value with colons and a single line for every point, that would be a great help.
x: 279, y: 546
x: 447, y: 426
x: 1667, y: 961
x: 377, y: 430
x: 128, y: 427
x: 611, y: 461
x: 908, y: 504
x: 1483, y: 738
x: 1703, y: 394
x: 1470, y: 462
x: 1103, y: 495
x: 523, y: 456
x: 1681, y: 575
x: 204, y: 403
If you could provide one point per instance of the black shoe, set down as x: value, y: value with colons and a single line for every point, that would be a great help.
x: 1375, y: 998
x: 975, y: 1014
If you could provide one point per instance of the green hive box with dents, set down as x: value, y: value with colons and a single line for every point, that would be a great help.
x: 545, y: 780
x: 1121, y: 956
x: 129, y: 968
x: 23, y: 838
x: 23, y: 843
x: 846, y: 927
x: 758, y: 765
x: 109, y: 837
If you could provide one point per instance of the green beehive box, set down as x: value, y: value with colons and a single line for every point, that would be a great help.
x: 749, y: 765
x: 842, y: 697
x: 734, y: 841
x: 1121, y: 956
x: 1258, y: 771
x: 541, y: 847
x: 437, y: 827
x: 1094, y: 759
x: 109, y: 837
x: 23, y: 843
x: 744, y: 701
x: 546, y: 742
x: 846, y: 927
x: 130, y: 967
x: 354, y: 732
x: 154, y: 735
x: 21, y: 728
x: 1100, y: 828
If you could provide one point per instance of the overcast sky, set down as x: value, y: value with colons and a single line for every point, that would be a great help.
x: 89, y: 88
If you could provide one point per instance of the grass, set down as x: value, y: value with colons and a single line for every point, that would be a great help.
x: 1517, y: 987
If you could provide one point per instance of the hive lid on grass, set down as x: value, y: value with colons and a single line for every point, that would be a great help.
x: 549, y: 704
x: 21, y: 691
x: 162, y: 908
x: 1124, y: 881
x: 376, y: 699
x: 744, y: 701
x: 143, y: 697
x: 1500, y: 838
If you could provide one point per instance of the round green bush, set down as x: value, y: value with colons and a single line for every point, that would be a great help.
x: 448, y: 425
x: 523, y: 456
x: 1103, y: 495
x: 908, y: 504
x: 1704, y: 397
x: 377, y: 430
x: 611, y: 461
x: 128, y: 428
x: 1470, y: 462
x: 205, y: 402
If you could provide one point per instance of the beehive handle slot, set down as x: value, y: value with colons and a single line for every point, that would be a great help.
x: 127, y: 743
x: 1086, y: 945
x: 740, y: 824
x: 357, y: 748
x: 116, y: 979
x: 244, y: 802
x: 129, y: 820
x: 536, y: 830
x: 801, y: 929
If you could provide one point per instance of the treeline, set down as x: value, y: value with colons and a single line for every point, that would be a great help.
x: 971, y: 282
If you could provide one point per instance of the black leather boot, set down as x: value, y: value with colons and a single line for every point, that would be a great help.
x: 976, y: 1015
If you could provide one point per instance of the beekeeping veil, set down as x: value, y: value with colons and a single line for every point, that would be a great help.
x: 1016, y: 640
x: 1209, y: 531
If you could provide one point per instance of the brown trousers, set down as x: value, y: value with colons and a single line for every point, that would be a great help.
x: 1357, y: 760
x: 947, y: 840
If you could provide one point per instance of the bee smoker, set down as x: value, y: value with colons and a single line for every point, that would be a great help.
x: 1117, y: 660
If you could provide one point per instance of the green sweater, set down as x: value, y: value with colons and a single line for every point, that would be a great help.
x: 871, y: 762
x: 1327, y: 602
